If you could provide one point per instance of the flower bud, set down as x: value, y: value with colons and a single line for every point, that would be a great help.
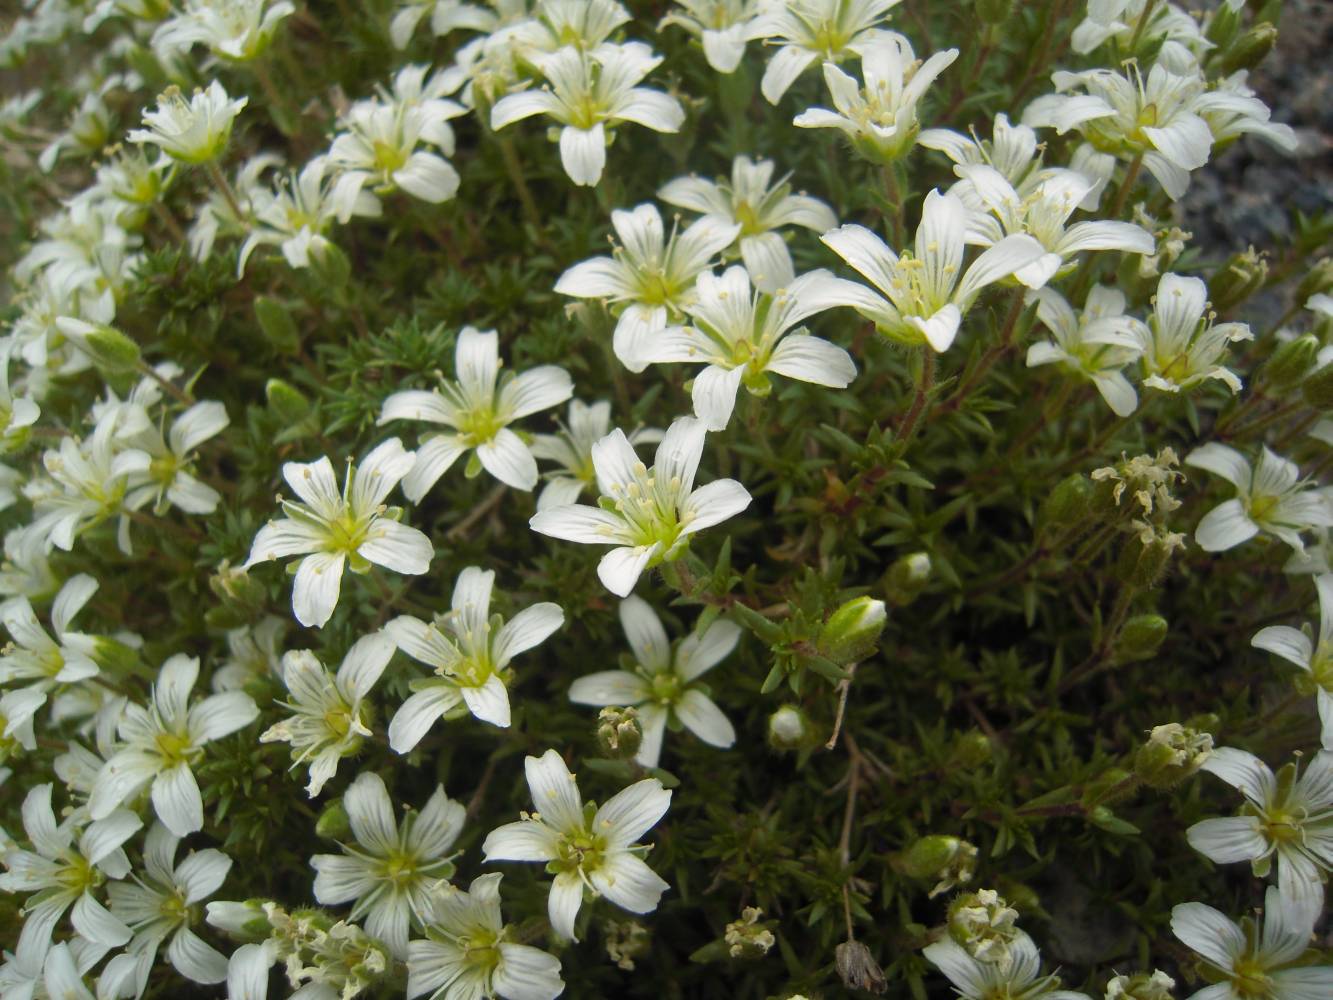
x: 276, y: 321
x: 246, y: 921
x: 970, y: 751
x: 1173, y: 753
x: 789, y: 729
x: 852, y: 632
x: 906, y: 578
x: 1068, y: 505
x: 286, y: 401
x: 107, y: 348
x: 619, y: 732
x: 1139, y: 638
x: 747, y: 938
x: 950, y: 859
x: 1287, y: 365
x: 1319, y: 279
x: 1317, y: 389
x: 333, y: 822
x: 984, y: 924
x: 1223, y: 25
x: 1242, y: 276
x: 1251, y: 48
x: 1140, y: 986
x: 858, y: 969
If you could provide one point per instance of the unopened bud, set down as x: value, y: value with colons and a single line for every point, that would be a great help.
x: 951, y: 860
x: 619, y: 732
x: 1223, y: 26
x: 984, y: 924
x: 333, y: 822
x: 1317, y: 389
x: 747, y: 938
x: 245, y: 921
x: 1068, y: 504
x: 1241, y: 276
x: 858, y: 969
x: 1141, y: 986
x: 1251, y: 48
x: 107, y: 347
x: 907, y: 578
x: 1173, y: 753
x: 1318, y: 280
x: 1291, y: 361
x: 277, y: 323
x: 789, y: 729
x: 970, y: 751
x: 286, y: 401
x: 1139, y: 638
x: 852, y: 632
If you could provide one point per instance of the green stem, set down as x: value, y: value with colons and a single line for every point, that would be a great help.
x: 220, y: 182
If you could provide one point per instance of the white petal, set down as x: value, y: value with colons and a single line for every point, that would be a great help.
x: 768, y: 260
x: 650, y: 108
x: 416, y: 715
x: 939, y: 329
x: 428, y: 177
x: 645, y: 634
x: 1244, y: 772
x: 600, y: 277
x: 629, y: 883
x: 609, y: 687
x: 631, y: 812
x: 490, y: 702
x: 364, y: 663
x: 579, y: 523
x: 72, y: 597
x: 202, y: 873
x: 530, y: 627
x: 654, y: 719
x: 620, y: 569
x: 247, y: 972
x: 702, y: 717
x: 583, y: 153
x: 371, y: 813
x: 714, y: 395
x: 535, y: 390
x: 522, y: 841
x: 284, y: 538
x: 700, y: 653
x: 398, y: 547
x: 1291, y: 644
x: 434, y: 456
x: 315, y: 590
x: 1208, y: 932
x: 95, y: 922
x: 1224, y: 527
x: 784, y: 66
x: 554, y: 791
x: 1219, y: 459
x: 527, y: 973
x: 507, y: 458
x: 1228, y: 839
x: 714, y: 503
x: 526, y: 103
x: 195, y: 960
x: 177, y: 801
x: 814, y: 360
x: 562, y: 906
x: 220, y: 715
x: 999, y: 261
x: 1185, y: 142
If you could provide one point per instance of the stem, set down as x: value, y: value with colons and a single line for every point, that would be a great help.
x: 514, y: 167
x: 923, y: 386
x: 893, y: 194
x: 167, y: 219
x: 993, y: 355
x: 844, y: 686
x: 176, y: 393
x: 492, y: 500
x: 1127, y: 185
x: 220, y: 181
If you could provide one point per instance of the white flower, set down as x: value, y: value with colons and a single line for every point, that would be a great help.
x: 879, y: 117
x: 1315, y: 658
x: 34, y: 657
x: 1255, y: 963
x: 1013, y: 150
x: 479, y: 414
x: 253, y: 655
x: 1270, y: 497
x: 662, y: 681
x: 394, y: 869
x: 1094, y: 345
x: 589, y: 92
x: 1181, y: 347
x: 165, y: 902
x: 194, y: 131
x: 648, y: 514
x: 445, y: 16
x: 169, y: 480
x: 588, y: 850
x: 1285, y: 818
x: 16, y: 413
x: 160, y: 743
x: 1020, y: 977
x: 1043, y: 213
x: 743, y: 334
x: 337, y: 530
x: 470, y: 650
x: 1130, y: 117
x: 810, y: 31
x: 468, y: 953
x: 571, y: 448
x: 723, y: 27
x: 582, y: 24
x: 1141, y: 20
x: 298, y: 215
x: 650, y: 278
x: 234, y: 30
x: 760, y: 207
x: 17, y: 709
x: 924, y: 300
x: 1232, y: 110
x: 378, y: 144
x: 330, y: 717
x: 66, y: 865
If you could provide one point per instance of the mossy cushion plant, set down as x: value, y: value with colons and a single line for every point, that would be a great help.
x: 721, y: 499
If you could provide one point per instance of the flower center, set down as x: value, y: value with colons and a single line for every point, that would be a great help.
x: 346, y: 533
x: 175, y: 748
x: 580, y: 851
x: 1250, y: 980
x: 667, y: 687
